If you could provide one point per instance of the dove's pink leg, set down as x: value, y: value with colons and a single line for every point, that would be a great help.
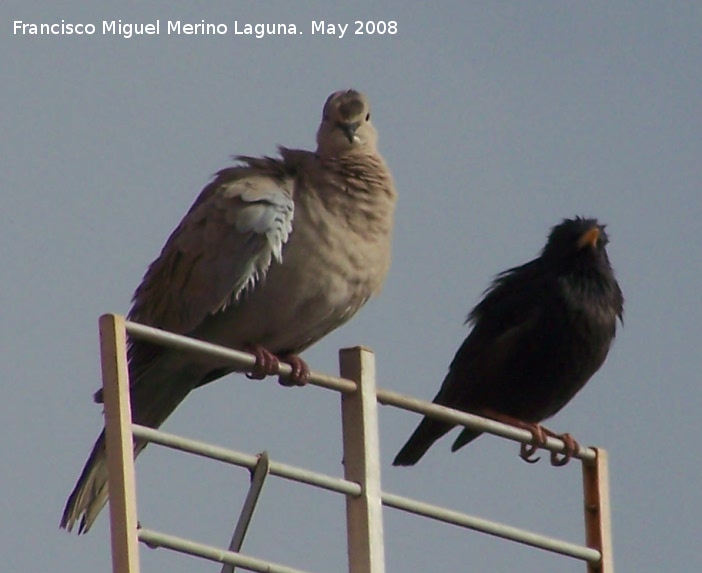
x: 300, y: 374
x: 267, y: 363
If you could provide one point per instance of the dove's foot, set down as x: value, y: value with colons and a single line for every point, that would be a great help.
x: 300, y: 374
x: 267, y: 363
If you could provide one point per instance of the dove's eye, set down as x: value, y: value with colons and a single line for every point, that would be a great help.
x: 368, y: 117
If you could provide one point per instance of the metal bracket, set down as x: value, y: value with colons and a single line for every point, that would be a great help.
x: 258, y: 478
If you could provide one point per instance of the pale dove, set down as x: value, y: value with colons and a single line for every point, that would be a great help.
x: 273, y: 255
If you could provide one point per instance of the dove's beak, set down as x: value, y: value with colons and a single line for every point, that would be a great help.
x: 589, y: 238
x: 349, y: 129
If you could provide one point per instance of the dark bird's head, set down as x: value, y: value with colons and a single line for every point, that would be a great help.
x: 578, y: 242
x: 576, y: 250
x: 346, y: 124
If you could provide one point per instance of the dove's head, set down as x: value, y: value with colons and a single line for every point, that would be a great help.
x: 346, y: 125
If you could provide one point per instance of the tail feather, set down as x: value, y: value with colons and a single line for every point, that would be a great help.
x: 420, y: 441
x: 465, y: 437
x: 90, y: 493
x: 157, y: 393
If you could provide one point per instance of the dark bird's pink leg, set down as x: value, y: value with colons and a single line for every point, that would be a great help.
x: 571, y: 447
x: 526, y: 451
x: 538, y: 433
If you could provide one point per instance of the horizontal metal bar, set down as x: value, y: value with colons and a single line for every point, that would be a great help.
x: 246, y: 361
x: 237, y: 358
x: 389, y: 398
x: 241, y: 459
x: 155, y: 539
x: 491, y: 527
x: 351, y: 488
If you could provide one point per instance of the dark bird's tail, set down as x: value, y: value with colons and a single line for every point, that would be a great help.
x: 420, y: 441
x: 424, y: 436
x: 158, y: 392
x: 465, y: 437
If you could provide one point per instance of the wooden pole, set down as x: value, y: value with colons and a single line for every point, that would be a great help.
x: 598, y: 525
x: 359, y: 414
x: 118, y: 437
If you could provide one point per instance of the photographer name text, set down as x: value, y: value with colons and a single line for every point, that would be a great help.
x: 259, y: 30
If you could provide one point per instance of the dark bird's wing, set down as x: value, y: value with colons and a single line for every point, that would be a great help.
x: 502, y: 324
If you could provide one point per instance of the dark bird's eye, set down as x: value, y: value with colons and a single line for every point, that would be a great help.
x: 368, y: 117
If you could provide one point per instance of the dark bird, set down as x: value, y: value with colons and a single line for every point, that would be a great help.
x: 539, y: 334
x: 274, y: 254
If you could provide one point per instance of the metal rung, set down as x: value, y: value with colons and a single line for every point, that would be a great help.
x: 391, y: 500
x: 242, y: 360
x: 245, y: 361
x: 233, y: 457
x: 157, y: 539
x: 491, y: 527
x: 390, y: 398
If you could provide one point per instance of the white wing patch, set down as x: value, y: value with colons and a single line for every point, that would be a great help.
x: 270, y: 214
x: 262, y: 215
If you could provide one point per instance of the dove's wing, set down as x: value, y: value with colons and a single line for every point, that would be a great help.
x: 225, y: 245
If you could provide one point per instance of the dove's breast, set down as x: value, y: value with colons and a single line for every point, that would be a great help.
x: 336, y: 258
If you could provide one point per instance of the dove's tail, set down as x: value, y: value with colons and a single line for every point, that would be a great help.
x: 420, y: 441
x: 155, y: 396
x: 90, y: 493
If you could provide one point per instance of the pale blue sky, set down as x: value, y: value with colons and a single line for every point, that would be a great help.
x: 498, y: 120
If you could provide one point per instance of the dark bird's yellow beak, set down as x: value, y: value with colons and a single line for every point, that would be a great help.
x: 589, y: 238
x: 349, y: 129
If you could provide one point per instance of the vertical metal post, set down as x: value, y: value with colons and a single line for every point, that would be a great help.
x: 598, y: 525
x: 118, y: 436
x: 359, y: 416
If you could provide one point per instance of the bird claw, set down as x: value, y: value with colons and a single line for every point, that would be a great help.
x: 300, y: 374
x: 526, y: 451
x: 571, y: 447
x: 539, y: 435
x: 267, y: 363
x: 557, y: 459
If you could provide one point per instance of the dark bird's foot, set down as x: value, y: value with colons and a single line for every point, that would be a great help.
x: 300, y: 374
x: 267, y: 363
x: 571, y: 448
x: 526, y: 451
x: 538, y: 433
